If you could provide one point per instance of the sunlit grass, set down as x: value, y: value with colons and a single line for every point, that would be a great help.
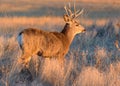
x: 93, y: 59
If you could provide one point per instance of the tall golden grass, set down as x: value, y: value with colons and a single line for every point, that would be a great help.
x: 48, y: 72
x: 46, y: 23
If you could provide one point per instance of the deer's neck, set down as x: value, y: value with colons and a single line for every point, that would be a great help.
x: 69, y: 33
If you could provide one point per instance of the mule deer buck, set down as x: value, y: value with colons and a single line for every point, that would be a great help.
x: 50, y: 44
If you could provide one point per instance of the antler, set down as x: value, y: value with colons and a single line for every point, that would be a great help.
x: 71, y: 14
x: 68, y: 11
x: 78, y: 13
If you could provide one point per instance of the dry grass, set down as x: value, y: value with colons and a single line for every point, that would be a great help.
x: 15, y: 23
x: 90, y: 76
x: 95, y: 47
x: 93, y: 59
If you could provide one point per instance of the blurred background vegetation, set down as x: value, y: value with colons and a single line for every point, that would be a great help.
x: 93, y: 8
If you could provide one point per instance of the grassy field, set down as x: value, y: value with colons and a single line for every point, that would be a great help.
x: 92, y: 8
x: 93, y: 58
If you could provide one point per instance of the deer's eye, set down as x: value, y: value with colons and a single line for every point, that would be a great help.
x: 77, y: 24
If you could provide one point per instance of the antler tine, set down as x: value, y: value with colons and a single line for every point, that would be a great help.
x: 79, y: 13
x: 71, y: 14
x: 69, y: 5
x: 69, y: 9
x: 74, y: 10
x: 66, y: 10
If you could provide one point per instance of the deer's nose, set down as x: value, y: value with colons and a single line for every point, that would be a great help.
x: 84, y: 30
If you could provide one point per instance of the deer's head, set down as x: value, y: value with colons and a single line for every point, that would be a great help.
x: 70, y: 19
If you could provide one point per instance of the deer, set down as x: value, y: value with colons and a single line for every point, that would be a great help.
x: 47, y: 44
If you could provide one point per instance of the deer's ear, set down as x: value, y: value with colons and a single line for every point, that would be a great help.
x: 66, y: 18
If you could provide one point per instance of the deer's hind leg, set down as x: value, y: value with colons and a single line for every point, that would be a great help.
x: 25, y: 59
